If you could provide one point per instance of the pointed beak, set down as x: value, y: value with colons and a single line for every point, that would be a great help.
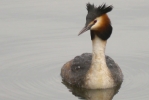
x: 86, y: 28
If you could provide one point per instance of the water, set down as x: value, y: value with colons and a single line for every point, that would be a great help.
x: 37, y: 37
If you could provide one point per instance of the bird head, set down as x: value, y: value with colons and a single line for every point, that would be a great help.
x: 97, y: 19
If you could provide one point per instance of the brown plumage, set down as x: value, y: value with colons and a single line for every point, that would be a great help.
x: 105, y: 21
x: 66, y: 70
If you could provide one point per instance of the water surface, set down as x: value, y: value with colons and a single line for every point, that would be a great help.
x: 37, y: 37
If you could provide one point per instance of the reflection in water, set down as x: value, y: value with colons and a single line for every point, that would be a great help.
x: 88, y: 94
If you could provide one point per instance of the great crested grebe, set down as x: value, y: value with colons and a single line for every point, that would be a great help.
x: 96, y: 70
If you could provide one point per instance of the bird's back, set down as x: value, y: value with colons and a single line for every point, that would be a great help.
x: 74, y: 72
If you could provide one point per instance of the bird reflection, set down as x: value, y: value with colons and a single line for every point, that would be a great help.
x: 93, y: 94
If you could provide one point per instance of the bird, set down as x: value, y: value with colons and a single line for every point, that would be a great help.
x: 94, y: 70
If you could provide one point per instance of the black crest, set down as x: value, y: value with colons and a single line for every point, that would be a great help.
x: 102, y: 9
x: 94, y: 12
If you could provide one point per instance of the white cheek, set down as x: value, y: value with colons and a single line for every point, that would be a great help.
x: 96, y: 26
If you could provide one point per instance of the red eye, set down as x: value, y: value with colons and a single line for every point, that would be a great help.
x: 95, y: 21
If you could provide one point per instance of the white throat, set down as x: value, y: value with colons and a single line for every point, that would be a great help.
x: 98, y: 59
x: 99, y: 75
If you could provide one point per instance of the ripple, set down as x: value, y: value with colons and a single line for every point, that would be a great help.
x: 30, y: 80
x: 136, y: 73
x: 35, y: 76
x: 30, y: 72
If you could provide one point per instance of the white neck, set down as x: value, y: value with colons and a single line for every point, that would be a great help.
x: 98, y: 59
x: 99, y: 75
